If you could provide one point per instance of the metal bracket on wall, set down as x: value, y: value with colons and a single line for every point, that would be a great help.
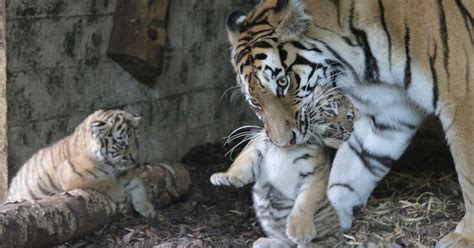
x: 138, y: 37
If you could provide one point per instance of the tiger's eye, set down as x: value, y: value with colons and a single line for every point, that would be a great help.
x: 282, y: 82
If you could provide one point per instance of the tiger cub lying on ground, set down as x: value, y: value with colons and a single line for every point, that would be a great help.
x: 99, y: 155
x: 289, y: 194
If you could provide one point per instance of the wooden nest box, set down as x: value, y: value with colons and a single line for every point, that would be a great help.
x: 138, y: 37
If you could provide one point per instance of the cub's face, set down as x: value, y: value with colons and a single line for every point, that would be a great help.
x: 116, y: 137
x: 334, y: 120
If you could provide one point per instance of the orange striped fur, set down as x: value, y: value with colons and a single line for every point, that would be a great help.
x: 100, y: 154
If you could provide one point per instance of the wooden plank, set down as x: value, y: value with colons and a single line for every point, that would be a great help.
x: 138, y: 37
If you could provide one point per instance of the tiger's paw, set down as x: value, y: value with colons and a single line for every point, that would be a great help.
x: 346, y: 203
x: 221, y: 178
x: 300, y: 229
x: 455, y: 240
x: 269, y: 243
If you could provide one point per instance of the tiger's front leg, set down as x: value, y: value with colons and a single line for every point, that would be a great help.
x: 362, y: 161
x: 457, y: 123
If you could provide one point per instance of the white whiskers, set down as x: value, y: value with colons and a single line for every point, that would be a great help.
x: 245, y: 133
x: 235, y: 92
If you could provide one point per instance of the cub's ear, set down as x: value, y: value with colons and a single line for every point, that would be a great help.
x: 234, y: 25
x: 99, y: 128
x: 292, y: 19
x: 136, y: 121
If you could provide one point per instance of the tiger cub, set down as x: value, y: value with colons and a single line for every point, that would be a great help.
x: 289, y: 195
x: 100, y: 154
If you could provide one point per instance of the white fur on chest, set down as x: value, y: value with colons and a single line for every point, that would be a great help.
x: 281, y: 170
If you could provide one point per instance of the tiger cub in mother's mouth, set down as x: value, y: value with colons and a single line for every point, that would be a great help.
x: 289, y: 194
x: 100, y: 154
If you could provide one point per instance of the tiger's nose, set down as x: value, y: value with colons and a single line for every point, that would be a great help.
x: 289, y: 142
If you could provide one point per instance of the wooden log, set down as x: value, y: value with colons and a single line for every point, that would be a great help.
x: 138, y: 37
x: 60, y: 218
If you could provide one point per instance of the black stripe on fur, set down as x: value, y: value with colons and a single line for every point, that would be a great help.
x: 434, y: 75
x: 407, y: 78
x: 468, y: 20
x: 344, y: 185
x: 444, y: 35
x: 371, y: 73
x: 73, y: 167
x: 387, y: 33
x: 302, y: 157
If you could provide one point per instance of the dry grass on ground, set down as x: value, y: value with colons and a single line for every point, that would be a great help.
x: 409, y: 208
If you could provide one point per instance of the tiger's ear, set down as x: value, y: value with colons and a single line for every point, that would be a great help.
x: 292, y: 19
x: 234, y: 24
x: 136, y: 121
x: 99, y: 128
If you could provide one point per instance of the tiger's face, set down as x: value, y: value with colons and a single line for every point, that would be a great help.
x: 115, y: 136
x: 269, y: 92
x: 280, y: 78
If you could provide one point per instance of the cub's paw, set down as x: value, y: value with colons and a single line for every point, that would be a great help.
x: 222, y: 178
x: 121, y: 198
x: 269, y: 243
x: 455, y: 240
x: 118, y: 195
x: 146, y: 209
x: 300, y: 229
x: 123, y: 207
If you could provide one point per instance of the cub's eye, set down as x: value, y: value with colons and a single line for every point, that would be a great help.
x: 350, y: 118
x: 121, y: 143
x: 282, y: 82
x: 254, y: 103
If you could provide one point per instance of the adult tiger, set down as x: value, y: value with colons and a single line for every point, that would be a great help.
x: 398, y: 61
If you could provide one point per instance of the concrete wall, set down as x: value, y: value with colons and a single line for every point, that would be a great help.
x: 3, y: 106
x: 58, y: 73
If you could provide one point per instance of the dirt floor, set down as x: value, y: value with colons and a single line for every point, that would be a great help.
x: 413, y: 206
